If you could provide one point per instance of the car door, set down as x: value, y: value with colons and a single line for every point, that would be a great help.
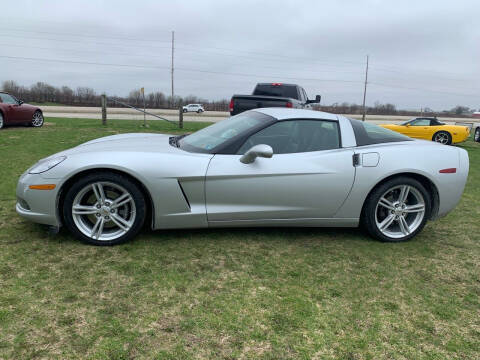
x: 308, y: 177
x: 419, y: 128
x: 14, y: 113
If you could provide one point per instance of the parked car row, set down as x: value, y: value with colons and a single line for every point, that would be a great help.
x: 15, y: 112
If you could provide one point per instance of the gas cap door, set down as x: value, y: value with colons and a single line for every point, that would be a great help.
x: 370, y: 159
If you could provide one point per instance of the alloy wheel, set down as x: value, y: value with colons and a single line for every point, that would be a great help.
x: 442, y: 138
x: 37, y: 119
x: 400, y: 211
x: 103, y: 211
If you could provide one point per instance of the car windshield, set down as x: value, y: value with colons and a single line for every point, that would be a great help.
x: 213, y: 136
x: 406, y: 122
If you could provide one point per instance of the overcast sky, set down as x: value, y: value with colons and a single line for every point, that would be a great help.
x: 422, y: 53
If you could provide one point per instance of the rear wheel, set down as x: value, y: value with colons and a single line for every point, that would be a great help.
x: 37, y: 120
x: 199, y: 111
x: 476, y: 137
x: 442, y: 137
x: 104, y: 209
x: 396, y: 210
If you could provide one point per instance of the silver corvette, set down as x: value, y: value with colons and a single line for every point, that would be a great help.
x: 265, y: 167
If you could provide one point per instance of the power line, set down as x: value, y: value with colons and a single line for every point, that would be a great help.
x: 166, y: 67
x: 193, y: 45
x: 228, y: 73
x: 143, y: 56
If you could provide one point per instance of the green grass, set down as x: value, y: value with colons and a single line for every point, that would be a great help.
x: 229, y: 294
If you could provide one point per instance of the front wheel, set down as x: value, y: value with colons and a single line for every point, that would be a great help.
x: 397, y: 210
x: 1, y: 121
x: 442, y: 137
x: 104, y: 209
x: 476, y: 137
x: 37, y: 120
x: 184, y: 110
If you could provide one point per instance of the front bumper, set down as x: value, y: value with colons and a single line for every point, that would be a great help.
x: 39, y: 206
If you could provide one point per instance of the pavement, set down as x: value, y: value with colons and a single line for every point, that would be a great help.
x: 77, y: 112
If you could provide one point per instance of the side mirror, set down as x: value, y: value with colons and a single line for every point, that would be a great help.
x: 408, y: 125
x: 260, y: 150
x: 316, y: 101
x: 20, y: 102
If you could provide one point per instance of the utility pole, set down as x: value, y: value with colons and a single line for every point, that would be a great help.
x: 173, y: 48
x: 365, y: 91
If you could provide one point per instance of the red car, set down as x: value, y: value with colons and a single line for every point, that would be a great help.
x: 16, y: 112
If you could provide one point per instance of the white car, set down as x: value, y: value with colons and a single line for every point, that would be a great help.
x: 198, y: 108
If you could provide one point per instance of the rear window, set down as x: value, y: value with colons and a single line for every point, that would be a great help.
x: 368, y: 134
x: 289, y: 91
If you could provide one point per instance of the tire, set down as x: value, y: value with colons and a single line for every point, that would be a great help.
x: 442, y: 137
x: 37, y: 119
x: 383, y: 208
x: 184, y: 110
x: 199, y: 111
x: 476, y: 136
x: 2, y: 122
x: 97, y: 219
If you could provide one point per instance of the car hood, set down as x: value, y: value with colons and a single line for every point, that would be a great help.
x: 137, y: 142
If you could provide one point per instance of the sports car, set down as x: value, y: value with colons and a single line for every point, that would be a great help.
x: 264, y: 167
x: 431, y: 129
x: 16, y: 112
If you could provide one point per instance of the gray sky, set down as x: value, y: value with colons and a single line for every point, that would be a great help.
x: 422, y: 53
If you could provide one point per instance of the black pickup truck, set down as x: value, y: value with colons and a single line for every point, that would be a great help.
x: 272, y: 95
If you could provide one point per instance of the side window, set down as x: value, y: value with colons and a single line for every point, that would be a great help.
x: 420, y: 122
x: 294, y: 136
x: 367, y: 134
x: 7, y: 99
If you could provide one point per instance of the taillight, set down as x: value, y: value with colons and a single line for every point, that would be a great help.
x: 448, y: 171
x: 289, y: 104
x: 231, y: 105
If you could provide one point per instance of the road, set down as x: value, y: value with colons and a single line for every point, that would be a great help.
x: 75, y: 112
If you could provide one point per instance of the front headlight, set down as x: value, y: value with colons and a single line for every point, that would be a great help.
x: 45, y: 165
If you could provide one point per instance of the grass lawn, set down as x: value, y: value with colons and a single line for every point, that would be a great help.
x: 232, y: 294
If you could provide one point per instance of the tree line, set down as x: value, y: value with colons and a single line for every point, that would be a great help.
x: 41, y: 92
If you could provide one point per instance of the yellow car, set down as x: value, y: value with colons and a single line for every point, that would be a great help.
x: 431, y: 129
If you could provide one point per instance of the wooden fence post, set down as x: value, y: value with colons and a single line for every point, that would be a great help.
x: 180, y: 117
x: 104, y: 109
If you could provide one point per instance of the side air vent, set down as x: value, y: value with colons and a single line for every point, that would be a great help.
x: 184, y: 195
